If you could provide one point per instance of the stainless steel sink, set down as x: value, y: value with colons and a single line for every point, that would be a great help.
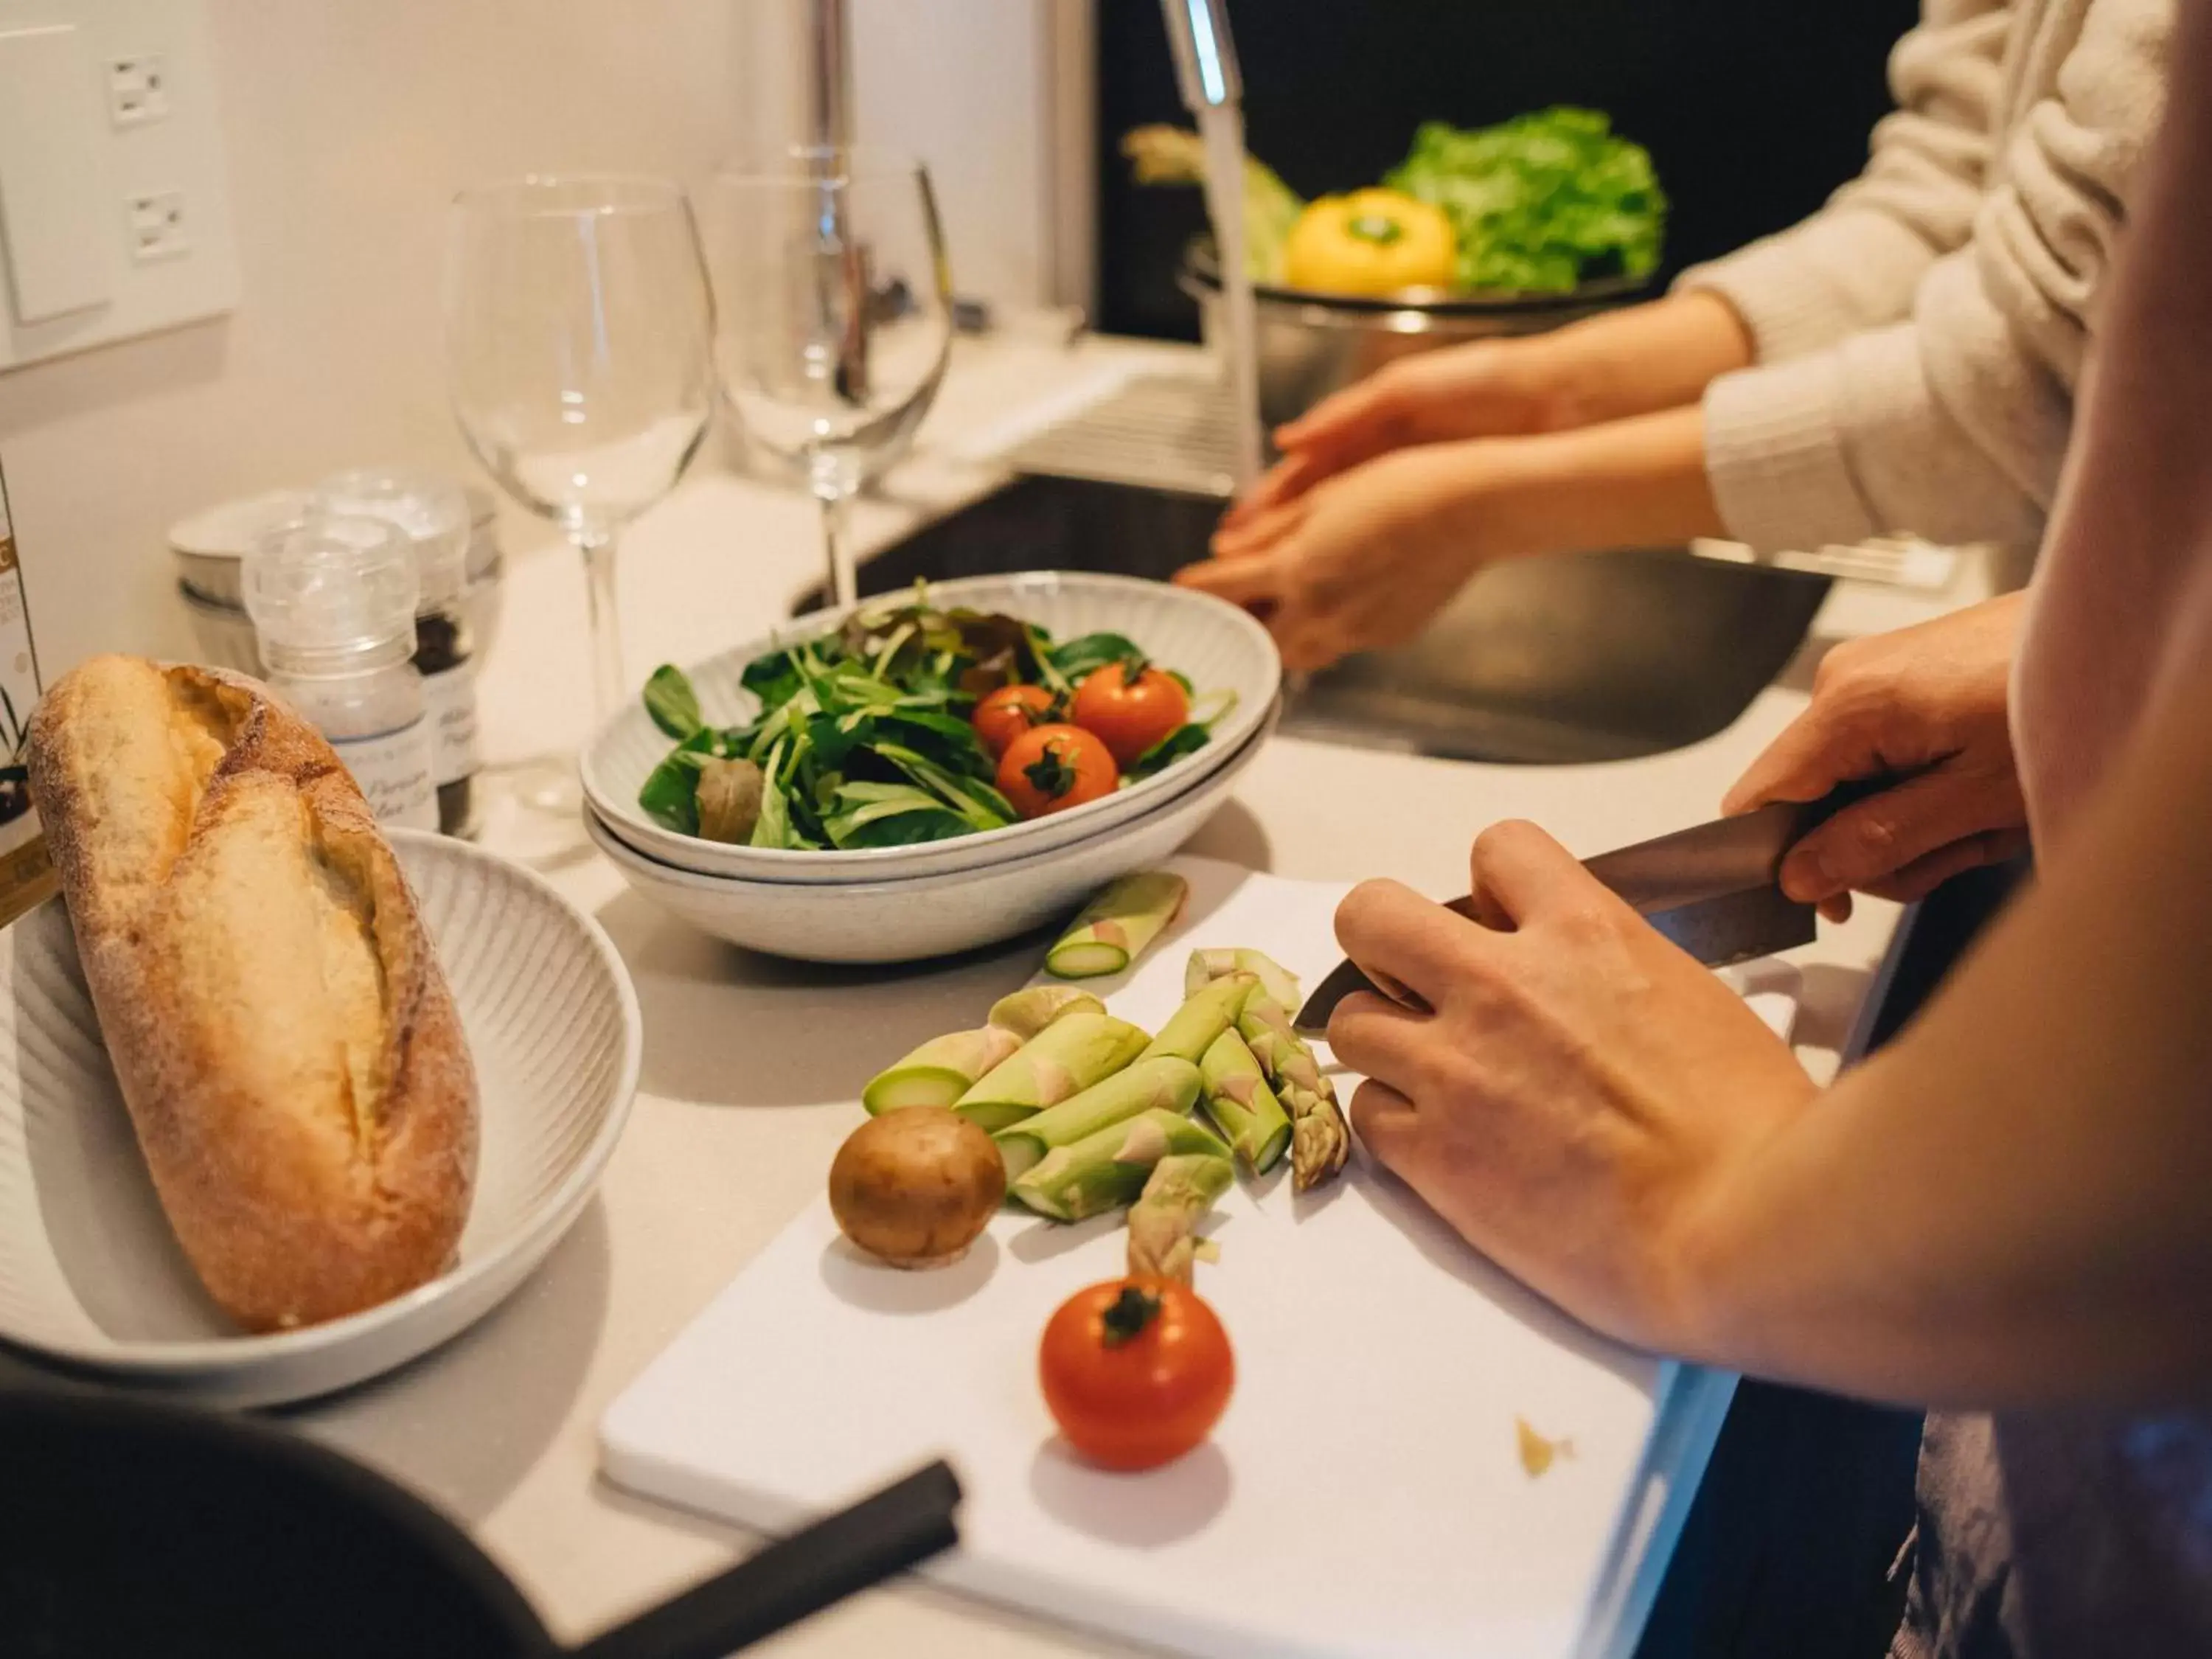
x: 1602, y: 656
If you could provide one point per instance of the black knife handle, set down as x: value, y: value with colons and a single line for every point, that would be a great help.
x: 900, y: 1527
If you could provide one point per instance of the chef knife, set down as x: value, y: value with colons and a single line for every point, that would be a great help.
x: 1714, y: 889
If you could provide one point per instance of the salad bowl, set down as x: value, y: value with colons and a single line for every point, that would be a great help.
x: 914, y: 918
x: 1227, y: 657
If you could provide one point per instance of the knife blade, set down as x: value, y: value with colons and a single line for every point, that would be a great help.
x: 1713, y: 889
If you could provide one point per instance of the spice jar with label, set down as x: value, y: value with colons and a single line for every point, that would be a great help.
x: 334, y: 603
x: 435, y: 515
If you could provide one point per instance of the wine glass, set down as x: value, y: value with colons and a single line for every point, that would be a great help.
x: 578, y: 319
x: 833, y: 317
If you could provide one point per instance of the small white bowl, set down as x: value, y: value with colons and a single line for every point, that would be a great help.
x: 923, y: 916
x: 91, y: 1277
x: 1217, y: 646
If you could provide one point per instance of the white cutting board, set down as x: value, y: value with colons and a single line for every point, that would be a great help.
x: 1364, y: 1495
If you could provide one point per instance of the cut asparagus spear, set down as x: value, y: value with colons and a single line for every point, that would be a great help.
x: 1242, y: 1105
x: 940, y: 1070
x: 1066, y: 1058
x: 1107, y: 1170
x: 1190, y: 1031
x: 1207, y: 966
x: 1163, y: 1221
x: 1154, y: 1083
x: 1027, y: 1013
x: 1116, y: 927
x: 1320, y: 1141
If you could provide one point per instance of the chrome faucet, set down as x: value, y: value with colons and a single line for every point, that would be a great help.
x: 1214, y: 91
x: 841, y: 276
x: 829, y: 74
x: 1197, y: 35
x: 1205, y: 56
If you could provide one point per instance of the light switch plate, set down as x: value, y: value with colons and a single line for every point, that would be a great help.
x: 51, y: 179
x: 114, y: 207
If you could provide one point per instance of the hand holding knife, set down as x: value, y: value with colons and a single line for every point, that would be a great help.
x: 1714, y: 889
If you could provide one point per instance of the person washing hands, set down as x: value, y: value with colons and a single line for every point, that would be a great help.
x: 2002, y: 1214
x: 1904, y: 360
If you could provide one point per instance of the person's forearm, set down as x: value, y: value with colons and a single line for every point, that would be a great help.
x: 1637, y: 482
x: 1635, y: 360
x: 2010, y: 1205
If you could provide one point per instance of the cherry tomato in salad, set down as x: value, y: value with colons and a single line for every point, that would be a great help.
x: 1136, y: 1372
x: 1006, y: 714
x: 1130, y: 712
x: 1049, y: 768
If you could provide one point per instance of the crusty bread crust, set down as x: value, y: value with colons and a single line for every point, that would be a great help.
x: 286, y: 1042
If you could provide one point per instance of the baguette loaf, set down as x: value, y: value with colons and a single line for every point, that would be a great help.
x: 288, y: 1047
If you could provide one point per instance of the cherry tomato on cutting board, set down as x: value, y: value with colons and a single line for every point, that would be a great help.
x: 1136, y: 1372
x: 1006, y: 714
x: 1052, y: 767
x: 1130, y: 711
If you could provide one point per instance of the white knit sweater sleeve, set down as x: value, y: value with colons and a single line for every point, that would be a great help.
x: 1953, y: 423
x: 1855, y: 263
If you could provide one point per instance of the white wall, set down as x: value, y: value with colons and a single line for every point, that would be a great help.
x: 960, y: 83
x: 349, y: 124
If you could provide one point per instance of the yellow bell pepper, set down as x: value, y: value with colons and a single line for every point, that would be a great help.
x: 1372, y: 241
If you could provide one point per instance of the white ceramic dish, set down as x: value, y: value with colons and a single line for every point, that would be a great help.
x: 210, y: 547
x: 91, y: 1277
x: 926, y: 915
x: 1217, y: 646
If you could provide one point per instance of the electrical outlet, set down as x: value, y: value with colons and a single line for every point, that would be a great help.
x: 138, y: 90
x: 157, y: 225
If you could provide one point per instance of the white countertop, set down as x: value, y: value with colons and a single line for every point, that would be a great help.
x: 751, y: 1066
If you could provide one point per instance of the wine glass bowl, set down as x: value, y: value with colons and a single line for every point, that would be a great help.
x: 578, y: 324
x: 833, y: 312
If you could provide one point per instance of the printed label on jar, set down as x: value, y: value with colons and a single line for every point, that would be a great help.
x: 393, y: 771
x: 451, y: 696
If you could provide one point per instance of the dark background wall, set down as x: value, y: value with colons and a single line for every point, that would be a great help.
x: 1753, y: 111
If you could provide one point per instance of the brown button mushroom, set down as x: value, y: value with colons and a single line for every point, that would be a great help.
x: 916, y: 1187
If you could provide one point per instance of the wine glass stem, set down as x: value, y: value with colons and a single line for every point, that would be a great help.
x: 837, y: 548
x: 609, y: 684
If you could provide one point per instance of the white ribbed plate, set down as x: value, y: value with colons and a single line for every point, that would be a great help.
x: 1217, y: 646
x: 92, y: 1278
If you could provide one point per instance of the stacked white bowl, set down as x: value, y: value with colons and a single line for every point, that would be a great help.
x: 903, y: 903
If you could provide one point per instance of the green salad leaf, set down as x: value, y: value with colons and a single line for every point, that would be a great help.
x: 672, y: 703
x: 773, y: 828
x: 1542, y: 204
x: 1183, y: 740
x: 671, y: 791
x: 890, y: 815
x: 1092, y: 652
x: 773, y: 678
